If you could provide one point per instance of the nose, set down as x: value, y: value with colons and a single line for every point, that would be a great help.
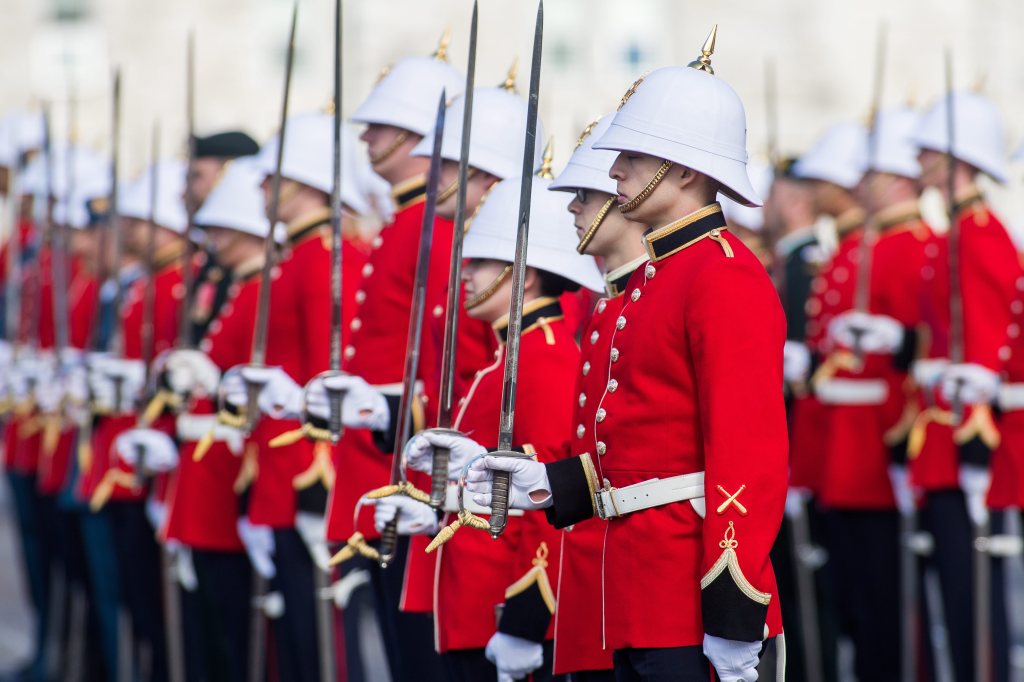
x: 575, y: 207
x: 366, y: 135
x: 616, y: 172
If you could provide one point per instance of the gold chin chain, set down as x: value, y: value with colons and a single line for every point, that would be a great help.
x: 633, y: 203
x: 446, y: 194
x: 391, y: 148
x: 592, y: 230
x: 490, y: 290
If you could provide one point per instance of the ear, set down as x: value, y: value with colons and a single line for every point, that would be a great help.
x: 531, y: 282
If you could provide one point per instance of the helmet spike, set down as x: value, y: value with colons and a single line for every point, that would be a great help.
x: 547, y: 160
x: 510, y: 79
x: 441, y: 53
x: 703, y: 62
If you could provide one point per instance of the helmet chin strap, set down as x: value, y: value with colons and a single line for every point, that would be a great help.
x: 446, y: 194
x: 633, y: 203
x: 491, y: 289
x: 592, y: 230
x: 390, y: 149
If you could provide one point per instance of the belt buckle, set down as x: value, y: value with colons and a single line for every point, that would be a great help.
x: 602, y: 511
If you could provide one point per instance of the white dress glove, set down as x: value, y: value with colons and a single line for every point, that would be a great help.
x: 419, y: 451
x: 878, y: 333
x: 975, y: 481
x: 49, y: 395
x: 901, y: 489
x: 109, y: 372
x: 734, y: 661
x: 970, y: 383
x: 158, y: 450
x: 280, y: 397
x: 313, y: 530
x: 259, y: 545
x: 414, y: 517
x: 514, y: 657
x: 362, y: 405
x: 796, y: 362
x: 191, y: 371
x: 530, y: 488
x: 927, y: 372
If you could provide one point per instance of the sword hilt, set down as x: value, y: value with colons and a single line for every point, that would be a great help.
x: 957, y: 404
x: 858, y: 347
x: 334, y: 425
x: 140, y: 465
x: 499, y: 502
x: 389, y: 542
x: 439, y: 476
x: 252, y: 407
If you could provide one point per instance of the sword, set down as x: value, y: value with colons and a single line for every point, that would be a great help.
x: 805, y: 562
x: 108, y: 233
x: 862, y: 290
x: 439, y: 464
x: 12, y: 287
x: 258, y: 356
x: 389, y: 536
x: 58, y: 262
x: 502, y: 479
x: 188, y: 255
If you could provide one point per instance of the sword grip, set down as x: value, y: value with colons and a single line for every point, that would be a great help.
x: 389, y: 542
x: 252, y: 406
x: 140, y: 465
x: 439, y: 476
x: 334, y: 425
x: 499, y: 502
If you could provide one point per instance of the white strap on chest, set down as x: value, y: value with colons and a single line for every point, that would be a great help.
x: 1011, y: 397
x: 615, y: 502
x: 852, y: 391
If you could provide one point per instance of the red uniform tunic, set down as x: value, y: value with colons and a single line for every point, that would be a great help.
x: 988, y: 272
x: 202, y: 510
x: 298, y: 341
x: 376, y: 346
x: 579, y: 641
x: 168, y: 292
x: 55, y: 461
x: 855, y: 473
x: 695, y: 384
x: 473, y: 571
x: 1008, y: 460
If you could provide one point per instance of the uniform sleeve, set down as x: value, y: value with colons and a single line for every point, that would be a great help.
x: 735, y: 332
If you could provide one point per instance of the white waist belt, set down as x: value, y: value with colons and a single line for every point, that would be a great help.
x: 614, y: 502
x: 451, y: 504
x: 852, y: 391
x: 1011, y: 397
x: 194, y: 427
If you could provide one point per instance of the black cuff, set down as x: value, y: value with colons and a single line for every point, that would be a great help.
x: 526, y: 615
x: 242, y: 500
x: 898, y: 451
x: 729, y: 613
x: 904, y: 355
x: 975, y: 452
x: 312, y: 499
x: 385, y: 440
x: 571, y: 491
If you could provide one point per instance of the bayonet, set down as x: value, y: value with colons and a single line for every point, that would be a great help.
x: 502, y: 479
x: 258, y: 356
x: 441, y: 457
x: 389, y: 536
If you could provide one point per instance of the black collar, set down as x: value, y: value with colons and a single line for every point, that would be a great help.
x: 409, y: 193
x: 545, y: 309
x: 298, y: 231
x: 616, y: 280
x: 665, y: 241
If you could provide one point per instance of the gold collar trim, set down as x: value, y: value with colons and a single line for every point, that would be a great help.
x: 849, y: 220
x: 674, y: 237
x: 409, y: 192
x: 300, y: 227
x: 898, y: 214
x: 537, y: 313
x: 168, y: 254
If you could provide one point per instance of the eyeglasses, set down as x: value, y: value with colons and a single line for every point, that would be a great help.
x: 581, y: 196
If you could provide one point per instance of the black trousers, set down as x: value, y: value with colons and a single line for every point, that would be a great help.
x: 675, y: 664
x: 298, y: 651
x: 592, y: 676
x: 408, y: 637
x: 139, y: 568
x: 1001, y: 596
x: 864, y: 552
x: 36, y: 572
x: 944, y: 516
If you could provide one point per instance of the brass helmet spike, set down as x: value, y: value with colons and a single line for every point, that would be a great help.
x: 979, y: 84
x: 383, y: 73
x: 510, y: 80
x: 547, y: 161
x: 441, y: 53
x: 703, y: 62
x: 329, y: 106
x: 586, y: 133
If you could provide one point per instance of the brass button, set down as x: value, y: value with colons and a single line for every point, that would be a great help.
x: 613, y: 385
x: 601, y: 414
x: 360, y: 296
x: 649, y: 271
x: 601, y: 305
x: 620, y: 323
x: 350, y: 352
x: 586, y: 368
x: 615, y: 354
x: 583, y: 399
x: 601, y: 448
x: 635, y: 295
x: 580, y: 430
x: 367, y: 270
x: 355, y: 324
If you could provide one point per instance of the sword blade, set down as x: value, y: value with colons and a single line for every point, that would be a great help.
x: 451, y: 321
x: 259, y: 343
x: 502, y: 479
x: 149, y: 294
x: 114, y: 227
x: 188, y: 255
x: 336, y: 257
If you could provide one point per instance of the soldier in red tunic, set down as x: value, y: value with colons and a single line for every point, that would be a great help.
x: 605, y: 232
x: 949, y: 461
x: 473, y: 573
x: 689, y: 461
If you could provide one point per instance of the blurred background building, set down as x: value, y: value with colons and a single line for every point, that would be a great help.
x: 822, y: 53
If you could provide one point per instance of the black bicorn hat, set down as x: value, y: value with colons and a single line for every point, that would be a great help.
x: 226, y: 145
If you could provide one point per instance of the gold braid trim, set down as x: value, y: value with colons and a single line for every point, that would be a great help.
x: 980, y: 424
x: 160, y: 402
x: 918, y: 432
x: 490, y: 290
x: 728, y: 559
x: 451, y: 189
x: 249, y: 470
x: 465, y: 518
x: 203, y: 446
x: 355, y: 545
x: 538, y: 576
x: 635, y: 202
x: 235, y: 421
x: 592, y: 230
x: 51, y: 428
x: 391, y: 148
x: 84, y: 450
x: 320, y: 470
x: 111, y: 480
x: 307, y: 430
x: 403, y: 488
x: 839, y: 360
